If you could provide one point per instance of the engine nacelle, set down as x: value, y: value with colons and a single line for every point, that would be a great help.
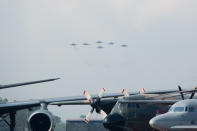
x: 41, y: 120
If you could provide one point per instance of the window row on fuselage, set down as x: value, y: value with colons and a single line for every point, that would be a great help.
x: 182, y: 109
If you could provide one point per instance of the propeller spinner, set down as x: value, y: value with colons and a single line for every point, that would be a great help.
x: 94, y: 103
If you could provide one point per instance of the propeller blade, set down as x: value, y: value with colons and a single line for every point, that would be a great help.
x: 101, y: 92
x: 87, y: 95
x: 124, y: 92
x: 142, y: 91
x: 182, y: 96
x: 192, y: 95
x: 87, y: 119
x: 103, y: 114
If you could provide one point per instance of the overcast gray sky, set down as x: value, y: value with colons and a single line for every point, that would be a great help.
x: 35, y: 37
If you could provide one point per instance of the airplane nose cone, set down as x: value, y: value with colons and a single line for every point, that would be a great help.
x: 113, y: 122
x: 157, y: 123
x: 152, y: 123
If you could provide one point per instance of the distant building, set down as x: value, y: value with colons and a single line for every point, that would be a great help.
x: 80, y: 125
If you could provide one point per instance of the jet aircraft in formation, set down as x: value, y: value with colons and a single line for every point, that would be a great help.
x: 99, y: 44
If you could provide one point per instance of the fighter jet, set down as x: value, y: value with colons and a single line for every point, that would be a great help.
x: 180, y: 117
x: 73, y: 44
x: 86, y: 44
x: 111, y: 43
x: 100, y: 47
x: 99, y: 42
x: 123, y: 45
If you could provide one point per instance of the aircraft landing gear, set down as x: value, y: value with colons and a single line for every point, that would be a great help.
x: 12, y: 120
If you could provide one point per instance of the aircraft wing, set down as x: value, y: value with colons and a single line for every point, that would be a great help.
x: 73, y: 100
x: 168, y: 102
x: 15, y: 106
x: 20, y: 105
x: 83, y: 101
x: 26, y: 83
x: 157, y: 101
x: 184, y: 127
x: 79, y: 102
x: 107, y: 95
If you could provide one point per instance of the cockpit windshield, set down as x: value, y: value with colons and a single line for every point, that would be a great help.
x: 171, y: 109
x: 124, y: 109
x: 120, y: 108
x: 181, y: 109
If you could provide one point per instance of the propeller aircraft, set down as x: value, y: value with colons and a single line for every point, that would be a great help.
x: 180, y: 117
x: 118, y: 113
x: 132, y: 112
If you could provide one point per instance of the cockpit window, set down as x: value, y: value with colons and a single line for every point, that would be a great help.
x: 125, y: 109
x: 120, y: 108
x: 178, y: 109
x: 181, y: 109
x: 171, y: 109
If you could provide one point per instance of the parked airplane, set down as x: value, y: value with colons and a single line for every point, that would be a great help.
x: 129, y: 114
x: 180, y: 117
x: 126, y: 114
x: 7, y: 109
x: 134, y: 113
x: 42, y: 119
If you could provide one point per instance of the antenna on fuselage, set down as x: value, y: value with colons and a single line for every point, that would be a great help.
x: 180, y: 89
x: 193, y: 93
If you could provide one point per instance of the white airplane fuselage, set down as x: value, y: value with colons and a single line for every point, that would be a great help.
x: 182, y: 116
